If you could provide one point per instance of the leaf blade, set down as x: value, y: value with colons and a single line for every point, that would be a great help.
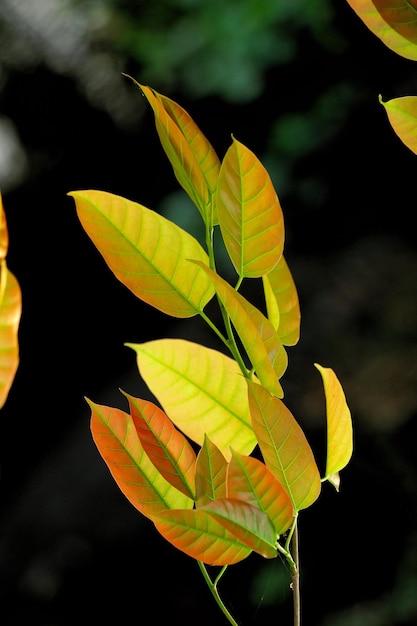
x: 282, y: 303
x: 402, y: 115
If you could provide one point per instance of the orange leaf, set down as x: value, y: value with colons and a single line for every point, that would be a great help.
x: 247, y: 523
x: 393, y: 21
x: 256, y: 332
x: 339, y: 426
x: 166, y: 447
x: 201, y: 536
x: 284, y: 447
x: 249, y: 212
x: 210, y: 477
x: 282, y: 303
x: 251, y: 481
x: 10, y: 313
x: 195, y: 163
x: 4, y: 233
x: 146, y: 252
x: 117, y: 440
x: 402, y: 115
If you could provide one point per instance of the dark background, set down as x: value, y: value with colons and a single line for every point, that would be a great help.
x: 297, y: 83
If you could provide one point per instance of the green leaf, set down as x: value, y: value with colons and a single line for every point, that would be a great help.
x: 339, y: 426
x: 250, y: 215
x: 247, y: 523
x: 393, y: 21
x: 258, y: 336
x: 251, y: 481
x: 117, y: 440
x: 195, y: 163
x: 284, y: 447
x: 146, y: 252
x: 165, y: 446
x: 200, y: 389
x: 210, y: 474
x: 282, y: 303
x: 201, y: 536
x: 402, y: 115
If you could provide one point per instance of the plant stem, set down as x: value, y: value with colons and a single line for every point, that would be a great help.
x: 295, y: 578
x: 213, y: 588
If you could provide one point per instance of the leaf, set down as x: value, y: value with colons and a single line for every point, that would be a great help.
x: 247, y: 523
x: 251, y: 481
x: 195, y: 163
x: 198, y: 534
x: 210, y: 475
x: 250, y: 215
x: 393, y: 21
x: 165, y: 446
x: 117, y: 440
x: 339, y: 426
x: 261, y: 342
x: 282, y: 303
x: 200, y: 389
x: 10, y: 313
x: 146, y: 252
x: 284, y: 447
x: 402, y: 115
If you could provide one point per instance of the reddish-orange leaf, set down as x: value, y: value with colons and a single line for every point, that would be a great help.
x: 146, y: 252
x: 117, y: 440
x: 247, y: 523
x: 210, y: 476
x: 4, y: 233
x: 167, y: 448
x: 197, y: 533
x: 393, y: 21
x: 251, y: 481
x: 195, y: 163
x: 250, y: 215
x: 284, y: 447
x: 258, y: 336
x: 282, y: 303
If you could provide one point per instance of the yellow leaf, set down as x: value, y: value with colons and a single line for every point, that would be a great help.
x: 402, y: 115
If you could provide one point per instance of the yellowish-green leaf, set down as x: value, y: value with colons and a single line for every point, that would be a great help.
x: 247, y: 523
x: 284, y: 447
x: 250, y: 215
x: 201, y: 390
x: 393, y: 21
x: 10, y: 313
x: 117, y: 440
x: 201, y: 536
x: 167, y: 448
x: 146, y: 252
x: 282, y: 303
x: 210, y: 474
x: 402, y: 115
x: 339, y: 426
x: 251, y: 481
x: 259, y: 338
x: 195, y: 163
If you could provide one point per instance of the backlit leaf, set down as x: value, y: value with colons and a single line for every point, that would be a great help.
x: 258, y: 336
x: 10, y: 313
x: 146, y: 252
x: 195, y: 163
x: 251, y: 481
x: 284, y: 447
x: 393, y: 21
x: 117, y: 440
x: 166, y: 447
x: 282, y: 303
x: 201, y: 536
x: 210, y: 474
x: 200, y: 389
x: 247, y: 523
x: 339, y: 425
x: 250, y: 215
x: 402, y: 115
